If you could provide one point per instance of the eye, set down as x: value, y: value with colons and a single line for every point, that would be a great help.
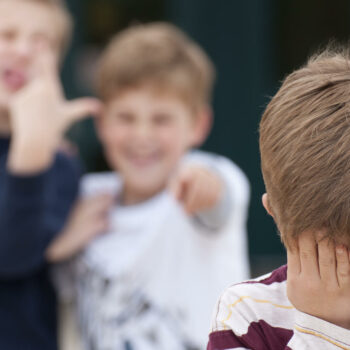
x: 124, y: 117
x: 162, y: 119
x: 7, y: 34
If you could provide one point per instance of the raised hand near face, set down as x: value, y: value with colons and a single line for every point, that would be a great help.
x: 40, y: 115
x: 319, y: 278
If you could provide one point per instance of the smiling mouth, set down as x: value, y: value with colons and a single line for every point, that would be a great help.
x: 14, y: 79
x: 144, y: 161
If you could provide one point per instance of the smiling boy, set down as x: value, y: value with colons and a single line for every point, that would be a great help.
x: 177, y: 226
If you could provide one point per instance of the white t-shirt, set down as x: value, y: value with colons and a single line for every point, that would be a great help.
x: 152, y: 280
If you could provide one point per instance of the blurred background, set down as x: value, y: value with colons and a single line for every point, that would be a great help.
x: 253, y: 44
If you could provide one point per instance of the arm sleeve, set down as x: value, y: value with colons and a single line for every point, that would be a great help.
x: 216, y: 217
x: 32, y: 210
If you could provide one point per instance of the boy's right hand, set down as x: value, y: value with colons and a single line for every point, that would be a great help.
x: 318, y: 280
x: 88, y: 219
x: 197, y: 188
x: 40, y: 115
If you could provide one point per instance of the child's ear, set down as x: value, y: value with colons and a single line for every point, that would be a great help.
x: 266, y: 204
x: 202, y: 125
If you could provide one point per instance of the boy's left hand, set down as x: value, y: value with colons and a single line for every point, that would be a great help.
x: 40, y: 115
x: 88, y: 219
x: 197, y: 188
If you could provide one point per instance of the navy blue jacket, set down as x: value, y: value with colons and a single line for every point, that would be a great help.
x: 33, y: 209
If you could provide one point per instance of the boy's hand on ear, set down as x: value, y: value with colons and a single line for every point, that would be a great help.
x: 197, y: 188
x: 318, y: 280
x: 88, y: 219
x: 40, y: 115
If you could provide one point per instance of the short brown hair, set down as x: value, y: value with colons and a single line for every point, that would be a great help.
x: 158, y: 54
x: 305, y: 148
x: 64, y: 22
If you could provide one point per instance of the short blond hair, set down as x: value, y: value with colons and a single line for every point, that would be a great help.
x: 64, y: 21
x: 158, y: 54
x: 305, y: 148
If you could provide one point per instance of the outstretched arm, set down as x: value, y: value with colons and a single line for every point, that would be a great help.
x: 203, y: 194
x: 211, y: 188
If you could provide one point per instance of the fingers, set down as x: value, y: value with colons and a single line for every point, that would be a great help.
x: 92, y: 213
x: 203, y: 194
x: 193, y: 198
x: 320, y: 257
x: 184, y: 188
x: 80, y: 108
x: 308, y: 254
x: 196, y: 188
x: 92, y: 207
x: 98, y: 203
x: 46, y: 67
x: 179, y: 185
x: 343, y: 265
x: 48, y: 64
x: 327, y: 261
x: 100, y: 225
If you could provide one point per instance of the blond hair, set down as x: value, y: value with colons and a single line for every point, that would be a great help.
x: 305, y: 148
x: 158, y: 54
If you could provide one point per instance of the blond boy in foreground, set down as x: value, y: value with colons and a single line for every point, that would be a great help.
x: 304, y: 144
x: 37, y: 184
x: 177, y: 226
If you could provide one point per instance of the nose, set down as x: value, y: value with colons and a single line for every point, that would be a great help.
x: 143, y: 130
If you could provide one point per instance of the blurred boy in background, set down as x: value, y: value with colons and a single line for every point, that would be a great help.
x: 37, y: 185
x: 177, y: 227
